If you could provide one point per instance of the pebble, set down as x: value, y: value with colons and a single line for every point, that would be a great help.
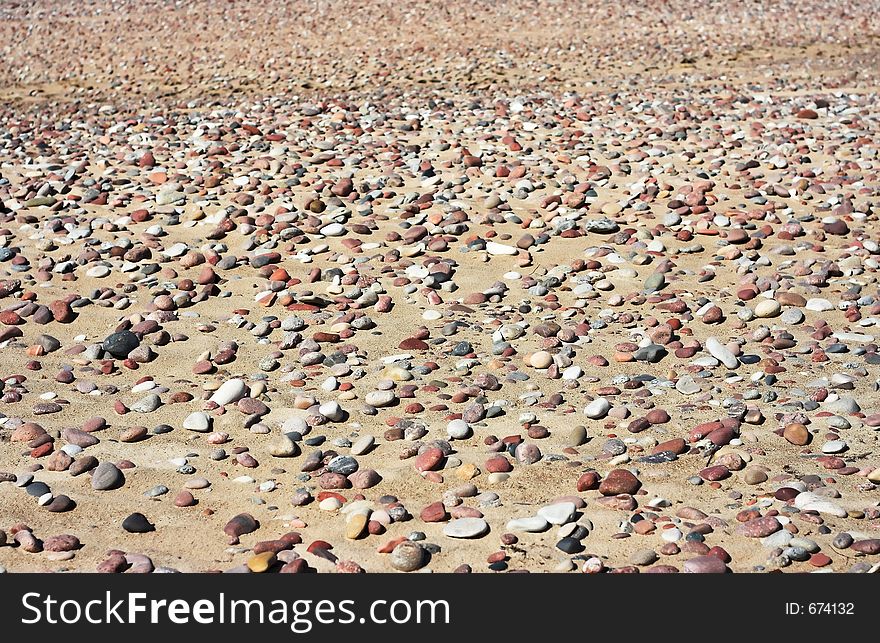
x: 240, y: 525
x: 577, y: 436
x: 380, y: 398
x: 721, y: 353
x: 766, y: 308
x: 120, y: 344
x: 808, y: 501
x: 559, y: 513
x: 261, y: 562
x: 408, y: 556
x: 644, y: 557
x: 363, y: 445
x: 759, y: 527
x: 532, y: 524
x: 466, y: 528
x: 704, y: 565
x: 107, y: 476
x: 541, y: 359
x: 597, y: 409
x: 415, y: 285
x: 834, y: 446
x: 655, y: 282
x: 796, y: 434
x: 230, y: 391
x: 494, y: 248
x: 619, y: 481
x: 137, y: 523
x: 458, y: 429
x: 281, y: 446
x: 198, y: 421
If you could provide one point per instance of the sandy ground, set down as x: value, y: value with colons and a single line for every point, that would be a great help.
x: 262, y: 62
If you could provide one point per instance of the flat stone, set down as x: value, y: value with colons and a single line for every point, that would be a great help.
x: 818, y: 305
x: 796, y: 434
x: 380, y: 398
x: 704, y: 565
x: 767, y: 308
x: 808, y: 501
x: 686, y: 385
x: 759, y: 527
x: 843, y: 406
x: 779, y: 539
x: 494, y: 248
x: 834, y: 446
x: 466, y: 528
x: 651, y: 353
x: 643, y: 558
x: 533, y: 524
x: 363, y: 445
x: 559, y: 513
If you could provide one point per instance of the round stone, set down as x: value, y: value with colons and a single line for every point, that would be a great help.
x: 120, y: 344
x: 107, y: 476
x: 752, y: 475
x: 380, y: 398
x: 541, y: 359
x: 796, y: 434
x: 408, y: 556
x: 767, y: 308
x: 458, y: 429
x: 343, y: 464
x: 281, y: 446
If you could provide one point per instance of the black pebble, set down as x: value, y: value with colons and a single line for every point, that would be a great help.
x: 137, y: 523
x: 570, y: 546
x: 37, y: 489
x: 120, y: 344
